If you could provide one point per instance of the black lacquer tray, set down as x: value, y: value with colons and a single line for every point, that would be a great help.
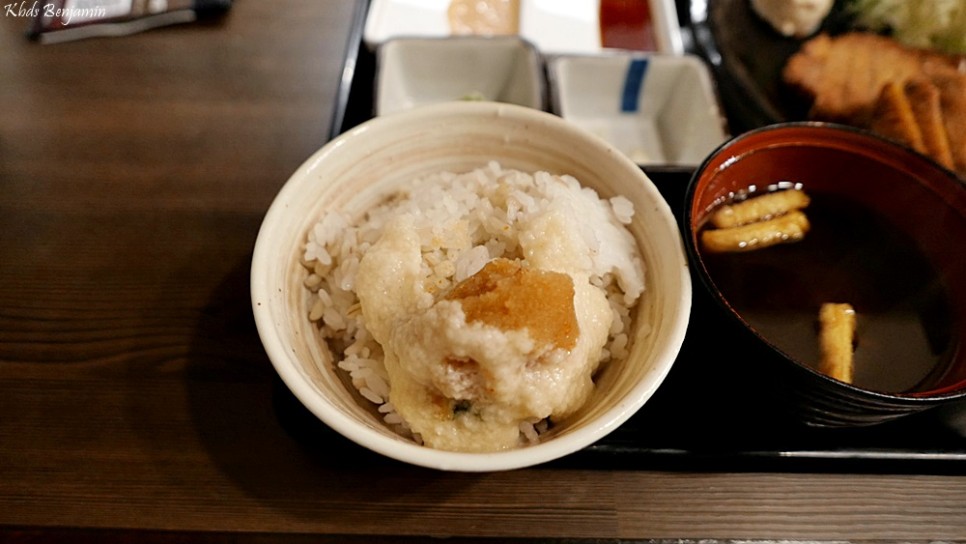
x: 702, y: 417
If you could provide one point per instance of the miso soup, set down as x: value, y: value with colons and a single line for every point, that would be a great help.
x: 903, y: 340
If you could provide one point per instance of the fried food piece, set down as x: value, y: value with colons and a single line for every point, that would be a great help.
x: 915, y: 96
x: 484, y: 17
x: 951, y: 84
x: 893, y: 117
x: 843, y: 76
x: 790, y: 227
x: 925, y: 97
x: 911, y: 113
x: 509, y: 296
x: 759, y: 208
x: 804, y: 69
x: 836, y: 336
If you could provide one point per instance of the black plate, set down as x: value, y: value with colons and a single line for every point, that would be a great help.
x: 702, y: 417
x: 747, y: 56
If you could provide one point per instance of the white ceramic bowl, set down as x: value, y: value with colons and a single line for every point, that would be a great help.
x: 659, y: 110
x: 354, y: 170
x: 412, y: 72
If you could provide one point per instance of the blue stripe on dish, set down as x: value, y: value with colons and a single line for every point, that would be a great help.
x: 633, y: 81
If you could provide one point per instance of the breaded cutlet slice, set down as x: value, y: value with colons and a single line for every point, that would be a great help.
x: 893, y: 117
x: 844, y: 75
x: 952, y: 99
x: 804, y: 68
x: 911, y: 113
x: 924, y: 98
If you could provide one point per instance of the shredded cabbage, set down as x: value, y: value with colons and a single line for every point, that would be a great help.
x: 933, y: 24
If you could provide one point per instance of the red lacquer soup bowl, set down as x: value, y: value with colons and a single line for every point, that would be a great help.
x: 886, y: 234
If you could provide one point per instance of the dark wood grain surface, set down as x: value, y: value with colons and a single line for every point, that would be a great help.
x: 136, y: 403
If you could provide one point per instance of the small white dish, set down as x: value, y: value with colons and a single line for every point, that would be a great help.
x: 417, y: 71
x: 553, y: 26
x: 659, y: 110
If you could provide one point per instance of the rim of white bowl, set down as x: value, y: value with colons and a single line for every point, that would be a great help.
x: 286, y: 363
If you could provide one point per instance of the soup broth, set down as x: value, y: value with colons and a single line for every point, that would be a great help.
x: 903, y: 340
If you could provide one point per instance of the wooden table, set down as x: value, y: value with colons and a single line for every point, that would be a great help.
x: 136, y: 402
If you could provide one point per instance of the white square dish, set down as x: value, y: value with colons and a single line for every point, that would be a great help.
x: 656, y: 109
x: 416, y: 71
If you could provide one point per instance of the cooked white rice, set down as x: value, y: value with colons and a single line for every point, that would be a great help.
x: 487, y: 203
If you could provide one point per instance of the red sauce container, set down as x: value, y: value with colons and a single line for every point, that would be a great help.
x: 626, y: 24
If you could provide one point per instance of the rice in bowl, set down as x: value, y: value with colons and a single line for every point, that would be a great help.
x: 385, y: 302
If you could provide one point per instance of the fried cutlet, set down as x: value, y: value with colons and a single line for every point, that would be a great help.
x: 951, y: 84
x: 893, y: 117
x: 843, y: 75
x: 912, y: 95
x: 910, y: 113
x: 924, y: 97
